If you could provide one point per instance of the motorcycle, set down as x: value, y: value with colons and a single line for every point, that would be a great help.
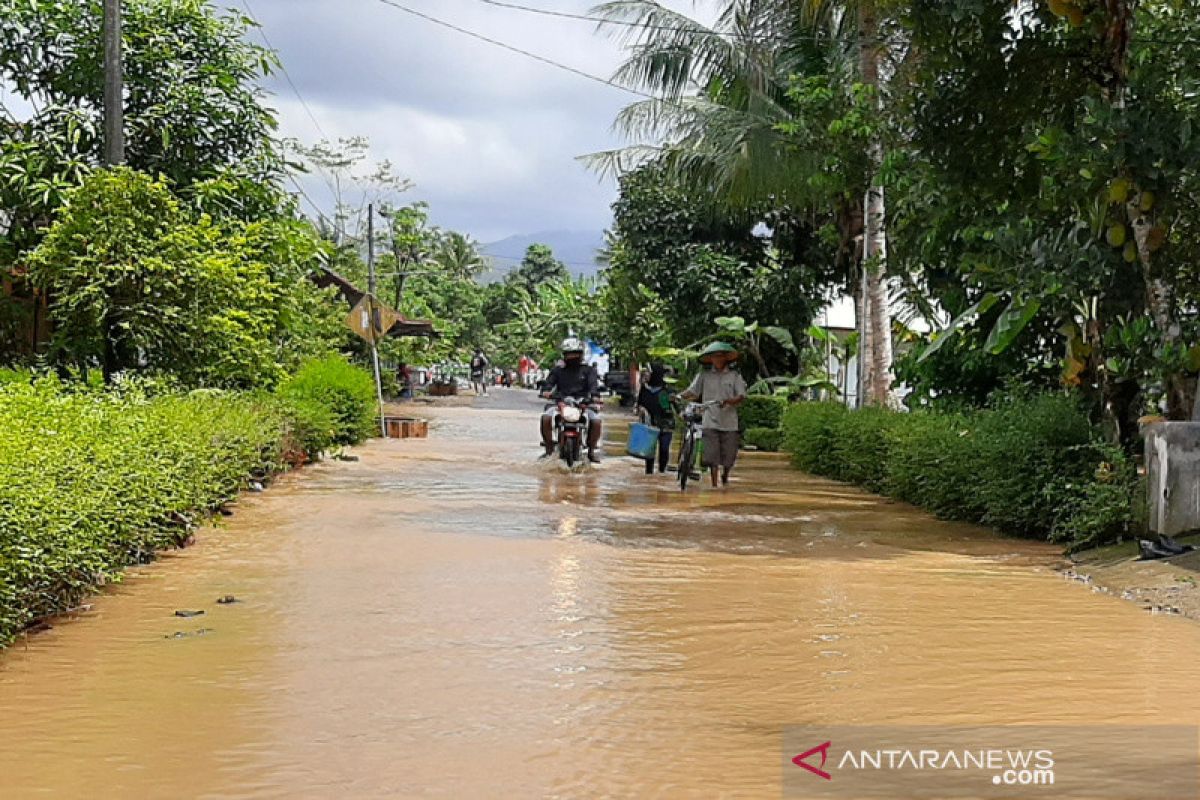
x: 571, y: 430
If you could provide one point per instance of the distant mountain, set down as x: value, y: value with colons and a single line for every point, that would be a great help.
x: 577, y: 249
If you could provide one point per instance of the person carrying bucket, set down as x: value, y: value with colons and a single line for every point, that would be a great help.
x: 654, y: 402
x: 727, y: 389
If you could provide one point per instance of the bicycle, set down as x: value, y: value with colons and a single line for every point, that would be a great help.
x: 693, y: 429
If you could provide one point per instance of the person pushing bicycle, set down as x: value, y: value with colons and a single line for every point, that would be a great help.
x: 726, y: 389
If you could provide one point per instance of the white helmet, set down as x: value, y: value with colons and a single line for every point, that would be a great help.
x: 571, y: 345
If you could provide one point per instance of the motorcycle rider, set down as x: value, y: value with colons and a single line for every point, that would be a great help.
x: 572, y: 378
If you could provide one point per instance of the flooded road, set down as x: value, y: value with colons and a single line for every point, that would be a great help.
x: 451, y: 618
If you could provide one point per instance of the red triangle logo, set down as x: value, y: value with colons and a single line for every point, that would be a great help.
x: 823, y: 749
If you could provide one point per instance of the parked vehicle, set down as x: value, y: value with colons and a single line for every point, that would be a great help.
x: 617, y: 383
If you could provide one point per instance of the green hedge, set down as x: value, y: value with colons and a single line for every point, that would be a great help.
x: 92, y: 481
x: 766, y: 439
x: 346, y: 391
x: 762, y: 411
x: 1032, y: 467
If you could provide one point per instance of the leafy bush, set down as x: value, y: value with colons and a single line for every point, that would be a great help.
x: 312, y: 428
x: 94, y: 480
x: 808, y: 435
x: 1031, y: 467
x: 859, y: 446
x: 766, y: 439
x: 91, y: 482
x: 140, y: 283
x: 346, y: 390
x: 932, y: 459
x: 1027, y: 447
x: 762, y: 411
x: 1099, y: 510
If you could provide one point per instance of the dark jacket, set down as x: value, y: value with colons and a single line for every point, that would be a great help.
x: 573, y: 380
x: 657, y: 402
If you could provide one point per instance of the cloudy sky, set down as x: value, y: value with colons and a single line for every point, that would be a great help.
x: 489, y: 137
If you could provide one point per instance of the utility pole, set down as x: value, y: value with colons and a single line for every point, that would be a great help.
x: 372, y: 304
x: 114, y: 86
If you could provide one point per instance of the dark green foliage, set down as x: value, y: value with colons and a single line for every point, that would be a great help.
x: 1098, y: 510
x: 808, y: 435
x: 859, y: 446
x: 346, y: 390
x: 193, y: 108
x: 1032, y: 467
x: 762, y: 411
x: 766, y: 439
x: 1027, y: 449
x: 539, y: 267
x: 928, y: 456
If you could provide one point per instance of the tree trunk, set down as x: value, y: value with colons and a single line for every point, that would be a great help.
x: 879, y: 315
x: 866, y: 343
x: 1160, y: 301
x: 879, y: 349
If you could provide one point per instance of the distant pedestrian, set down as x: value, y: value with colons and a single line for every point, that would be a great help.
x: 654, y: 402
x: 404, y: 378
x: 479, y: 368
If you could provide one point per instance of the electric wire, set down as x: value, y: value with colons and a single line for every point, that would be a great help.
x: 282, y: 68
x: 783, y: 37
x: 513, y: 49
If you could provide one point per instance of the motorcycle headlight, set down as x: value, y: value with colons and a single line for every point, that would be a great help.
x: 571, y: 414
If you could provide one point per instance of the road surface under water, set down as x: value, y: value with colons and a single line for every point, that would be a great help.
x: 452, y: 618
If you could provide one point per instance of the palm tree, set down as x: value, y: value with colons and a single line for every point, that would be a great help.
x: 721, y: 109
x: 458, y: 254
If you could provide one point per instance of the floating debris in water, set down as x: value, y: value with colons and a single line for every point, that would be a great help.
x: 188, y: 634
x: 186, y: 613
x: 227, y: 600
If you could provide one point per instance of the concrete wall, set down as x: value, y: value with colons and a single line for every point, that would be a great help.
x: 1173, y: 476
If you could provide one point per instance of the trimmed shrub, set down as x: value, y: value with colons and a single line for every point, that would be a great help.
x: 762, y: 411
x: 312, y: 428
x: 1098, y: 510
x: 767, y: 439
x: 1026, y: 448
x: 92, y: 480
x: 859, y: 446
x: 808, y: 436
x: 933, y: 460
x: 1032, y: 467
x: 346, y: 390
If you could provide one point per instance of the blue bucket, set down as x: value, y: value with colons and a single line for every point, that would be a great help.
x: 643, y: 440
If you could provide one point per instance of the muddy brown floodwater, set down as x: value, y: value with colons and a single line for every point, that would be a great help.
x: 450, y: 618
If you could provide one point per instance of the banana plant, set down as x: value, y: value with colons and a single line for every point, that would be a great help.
x: 1015, y: 317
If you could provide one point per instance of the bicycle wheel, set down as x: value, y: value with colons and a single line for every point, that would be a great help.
x: 686, y: 456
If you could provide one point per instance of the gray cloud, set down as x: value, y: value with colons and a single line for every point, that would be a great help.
x: 490, y: 138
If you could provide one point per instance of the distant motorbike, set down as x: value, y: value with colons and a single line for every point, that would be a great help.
x: 571, y: 429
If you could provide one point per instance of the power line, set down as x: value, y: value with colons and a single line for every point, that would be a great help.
x: 307, y: 109
x: 504, y: 45
x: 304, y: 194
x: 287, y: 76
x: 601, y: 21
x: 781, y: 37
